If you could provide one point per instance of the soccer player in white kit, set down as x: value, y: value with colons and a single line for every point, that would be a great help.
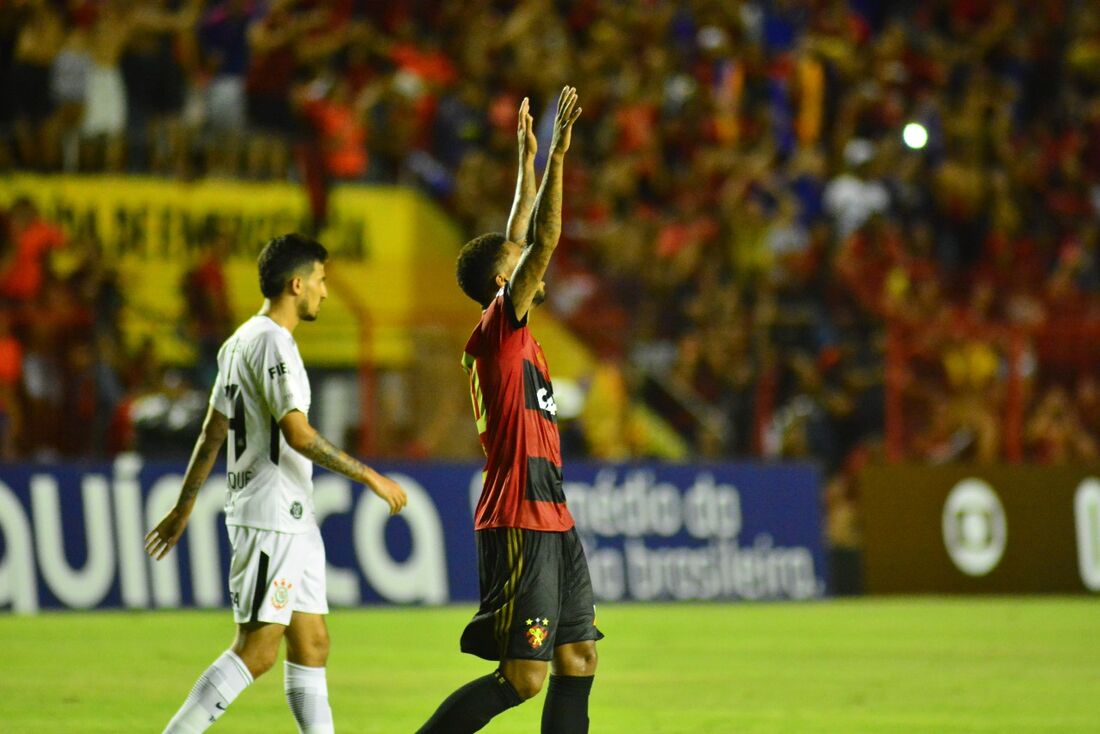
x: 277, y: 574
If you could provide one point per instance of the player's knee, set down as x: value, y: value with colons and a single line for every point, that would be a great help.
x: 258, y: 660
x: 578, y: 659
x: 526, y: 680
x: 311, y: 649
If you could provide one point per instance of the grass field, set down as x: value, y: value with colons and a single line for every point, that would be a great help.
x: 896, y: 665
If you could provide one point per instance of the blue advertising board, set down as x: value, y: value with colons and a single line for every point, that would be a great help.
x: 72, y: 535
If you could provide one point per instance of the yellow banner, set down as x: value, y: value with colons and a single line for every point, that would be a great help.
x: 391, y: 275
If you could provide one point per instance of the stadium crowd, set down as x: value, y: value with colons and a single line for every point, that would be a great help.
x: 752, y: 246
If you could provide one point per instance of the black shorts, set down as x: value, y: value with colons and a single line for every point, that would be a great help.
x: 536, y: 594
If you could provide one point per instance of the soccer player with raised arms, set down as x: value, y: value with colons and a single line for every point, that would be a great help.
x: 536, y: 594
x: 261, y: 402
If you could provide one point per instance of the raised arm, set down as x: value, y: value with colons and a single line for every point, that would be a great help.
x: 306, y: 440
x: 535, y: 259
x: 166, y: 534
x: 519, y: 221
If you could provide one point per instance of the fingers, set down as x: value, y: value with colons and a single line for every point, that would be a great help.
x: 153, y: 541
x: 567, y: 106
x: 168, y: 545
x: 157, y: 545
x: 524, y: 115
x: 567, y: 92
x: 398, y: 503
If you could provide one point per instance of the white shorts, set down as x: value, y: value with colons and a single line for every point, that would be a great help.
x: 273, y: 574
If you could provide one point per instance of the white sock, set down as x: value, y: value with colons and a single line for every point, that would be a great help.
x: 213, y: 692
x: 307, y: 694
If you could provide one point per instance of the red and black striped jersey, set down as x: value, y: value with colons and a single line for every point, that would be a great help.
x: 517, y: 421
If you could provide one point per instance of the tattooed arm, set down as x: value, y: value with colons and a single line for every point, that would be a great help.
x: 527, y: 278
x: 519, y: 220
x: 166, y: 534
x: 306, y: 440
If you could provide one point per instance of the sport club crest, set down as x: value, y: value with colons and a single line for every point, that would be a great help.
x: 537, y: 630
x: 280, y: 593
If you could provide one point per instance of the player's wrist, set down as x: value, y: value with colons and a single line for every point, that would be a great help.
x: 183, y: 507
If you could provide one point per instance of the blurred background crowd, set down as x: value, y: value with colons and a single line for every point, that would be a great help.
x: 843, y: 230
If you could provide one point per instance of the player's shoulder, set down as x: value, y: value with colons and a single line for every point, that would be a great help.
x: 262, y: 330
x: 260, y: 336
x: 501, y: 309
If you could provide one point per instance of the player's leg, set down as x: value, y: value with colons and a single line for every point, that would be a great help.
x: 473, y: 705
x: 574, y: 664
x: 253, y: 653
x: 258, y: 635
x: 501, y: 555
x: 566, y: 705
x: 307, y: 641
x: 306, y: 685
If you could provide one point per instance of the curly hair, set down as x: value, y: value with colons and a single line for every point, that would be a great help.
x: 479, y: 263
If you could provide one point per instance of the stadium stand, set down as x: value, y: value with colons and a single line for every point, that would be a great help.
x: 753, y: 249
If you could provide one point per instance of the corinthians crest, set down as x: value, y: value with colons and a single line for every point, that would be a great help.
x: 280, y: 593
x: 537, y: 630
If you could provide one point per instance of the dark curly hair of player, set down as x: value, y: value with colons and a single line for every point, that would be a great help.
x: 479, y: 263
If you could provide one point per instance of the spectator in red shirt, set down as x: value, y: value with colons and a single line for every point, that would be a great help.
x: 23, y: 258
x: 11, y: 371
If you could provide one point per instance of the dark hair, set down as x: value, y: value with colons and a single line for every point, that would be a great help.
x: 479, y: 263
x: 283, y: 257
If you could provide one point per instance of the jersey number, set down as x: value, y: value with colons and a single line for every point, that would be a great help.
x: 236, y: 421
x: 237, y: 425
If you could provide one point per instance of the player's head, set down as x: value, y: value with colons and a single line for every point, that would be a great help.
x: 485, y: 264
x: 293, y: 266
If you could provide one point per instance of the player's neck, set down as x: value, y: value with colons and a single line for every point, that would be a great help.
x: 282, y: 311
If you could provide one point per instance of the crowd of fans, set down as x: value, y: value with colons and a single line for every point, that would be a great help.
x: 750, y: 241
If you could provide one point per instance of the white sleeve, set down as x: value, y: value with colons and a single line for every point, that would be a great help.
x: 275, y: 364
x: 219, y: 401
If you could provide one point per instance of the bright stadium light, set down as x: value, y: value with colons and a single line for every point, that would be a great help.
x: 915, y: 135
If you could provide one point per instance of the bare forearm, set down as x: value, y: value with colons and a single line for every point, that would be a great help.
x: 322, y: 452
x: 519, y: 221
x: 547, y: 228
x: 198, y: 469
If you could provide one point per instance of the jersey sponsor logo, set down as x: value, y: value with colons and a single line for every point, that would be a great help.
x: 296, y: 510
x: 279, y: 369
x: 538, y: 392
x: 537, y: 630
x: 280, y: 593
x: 546, y: 401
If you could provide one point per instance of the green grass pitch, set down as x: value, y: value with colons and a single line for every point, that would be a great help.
x: 870, y: 665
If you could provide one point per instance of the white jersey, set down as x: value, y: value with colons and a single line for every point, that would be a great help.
x: 261, y: 378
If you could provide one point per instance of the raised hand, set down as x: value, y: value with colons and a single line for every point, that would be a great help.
x: 568, y: 112
x: 528, y: 144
